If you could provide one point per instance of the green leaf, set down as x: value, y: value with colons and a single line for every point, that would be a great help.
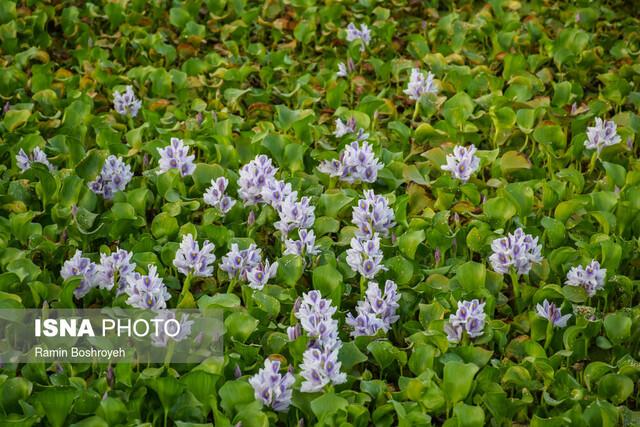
x: 13, y: 119
x: 328, y: 280
x: 457, y: 109
x: 57, y: 403
x: 458, y: 379
x: 290, y: 269
x: 409, y: 241
x: 471, y: 276
x: 618, y: 327
x: 327, y: 405
x: 240, y: 325
x: 469, y: 416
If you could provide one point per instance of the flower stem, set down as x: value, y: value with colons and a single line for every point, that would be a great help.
x: 592, y: 163
x: 416, y: 111
x: 363, y: 281
x: 549, y: 336
x: 516, y: 289
x: 232, y: 285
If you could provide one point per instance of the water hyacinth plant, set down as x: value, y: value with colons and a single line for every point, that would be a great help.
x: 405, y: 213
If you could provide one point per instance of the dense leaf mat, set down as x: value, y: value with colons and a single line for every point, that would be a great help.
x: 507, y: 281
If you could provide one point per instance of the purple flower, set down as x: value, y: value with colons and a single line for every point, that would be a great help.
x: 553, y: 314
x: 365, y: 256
x: 603, y: 134
x: 591, y: 277
x: 320, y: 367
x: 114, y: 269
x: 316, y: 317
x: 294, y: 332
x: 216, y: 197
x: 37, y: 156
x: 190, y: 259
x: 126, y: 103
x: 176, y: 156
x: 356, y: 163
x: 305, y: 246
x: 83, y: 267
x: 462, y: 163
x: 276, y: 192
x: 259, y: 275
x: 377, y: 311
x: 363, y: 34
x: 147, y: 292
x: 518, y: 251
x: 419, y: 86
x: 272, y: 388
x: 344, y: 128
x: 238, y: 263
x: 469, y: 317
x: 295, y: 214
x: 254, y: 177
x: 342, y: 70
x: 170, y: 331
x: 114, y: 177
x: 373, y: 215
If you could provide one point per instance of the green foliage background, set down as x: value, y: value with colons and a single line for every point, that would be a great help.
x: 520, y: 80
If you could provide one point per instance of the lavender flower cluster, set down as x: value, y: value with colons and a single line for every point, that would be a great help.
x: 247, y: 265
x: 215, y: 195
x: 517, y: 251
x: 591, y: 277
x: 469, y: 317
x: 420, y: 86
x: 373, y: 215
x: 549, y: 311
x: 365, y: 256
x: 320, y: 365
x: 377, y: 312
x: 363, y: 34
x: 190, y: 259
x: 355, y: 163
x: 271, y: 387
x: 176, y: 156
x: 603, y: 134
x: 462, y: 163
x: 114, y: 177
x: 126, y: 103
x: 25, y: 161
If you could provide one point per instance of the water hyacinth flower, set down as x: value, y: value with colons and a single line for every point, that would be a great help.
x: 238, y: 263
x: 316, y: 317
x: 190, y: 259
x: 114, y: 177
x: 114, y: 269
x: 170, y: 331
x: 552, y: 313
x: 355, y: 163
x: 295, y: 214
x: 344, y: 128
x: 25, y: 161
x: 254, y: 177
x: 373, y: 215
x: 377, y: 311
x: 365, y: 256
x: 259, y: 275
x: 319, y: 368
x: 469, y: 317
x: 176, y: 156
x: 419, y: 86
x: 276, y: 192
x: 147, y: 291
x: 517, y: 251
x: 305, y: 246
x: 603, y: 134
x: 126, y: 103
x: 83, y: 267
x: 342, y: 70
x: 363, y: 33
x: 272, y: 388
x: 215, y: 195
x: 591, y: 277
x: 462, y: 163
